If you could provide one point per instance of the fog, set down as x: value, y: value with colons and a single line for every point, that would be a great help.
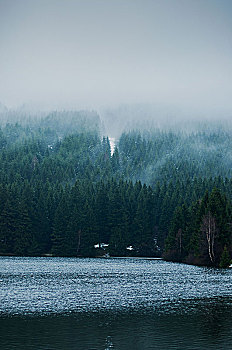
x: 173, y: 55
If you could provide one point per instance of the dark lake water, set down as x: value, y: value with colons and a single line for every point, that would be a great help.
x: 68, y: 303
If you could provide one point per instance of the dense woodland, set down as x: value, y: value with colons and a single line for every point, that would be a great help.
x: 160, y: 193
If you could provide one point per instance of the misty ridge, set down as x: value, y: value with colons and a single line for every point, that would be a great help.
x: 149, y: 147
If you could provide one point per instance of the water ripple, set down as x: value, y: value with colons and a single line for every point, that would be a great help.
x: 64, y: 285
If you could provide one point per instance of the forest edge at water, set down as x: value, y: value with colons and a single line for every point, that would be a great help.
x: 162, y: 192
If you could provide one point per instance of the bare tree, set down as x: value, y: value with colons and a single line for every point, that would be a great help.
x: 208, y: 228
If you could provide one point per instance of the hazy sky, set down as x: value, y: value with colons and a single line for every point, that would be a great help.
x: 89, y: 53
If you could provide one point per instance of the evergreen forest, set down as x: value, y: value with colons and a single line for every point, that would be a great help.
x: 66, y: 191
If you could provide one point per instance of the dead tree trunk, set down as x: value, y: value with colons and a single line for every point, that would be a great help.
x: 209, y: 229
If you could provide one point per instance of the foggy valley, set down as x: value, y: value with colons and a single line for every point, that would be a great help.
x: 115, y: 174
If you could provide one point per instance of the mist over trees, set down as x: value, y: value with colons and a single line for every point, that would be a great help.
x: 162, y: 191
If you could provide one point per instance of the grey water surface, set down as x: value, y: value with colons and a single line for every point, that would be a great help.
x: 73, y: 303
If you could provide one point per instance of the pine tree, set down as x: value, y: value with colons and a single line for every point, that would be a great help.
x: 225, y: 260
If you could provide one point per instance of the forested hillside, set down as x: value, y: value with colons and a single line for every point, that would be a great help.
x: 176, y: 156
x: 160, y: 192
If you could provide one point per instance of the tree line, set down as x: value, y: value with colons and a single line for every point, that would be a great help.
x: 62, y: 192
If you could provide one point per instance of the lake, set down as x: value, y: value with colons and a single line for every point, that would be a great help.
x: 69, y: 303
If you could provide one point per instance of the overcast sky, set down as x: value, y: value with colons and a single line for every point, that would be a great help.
x: 91, y: 53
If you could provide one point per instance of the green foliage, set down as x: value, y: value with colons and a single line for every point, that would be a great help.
x: 225, y: 258
x: 160, y: 156
x: 205, y: 230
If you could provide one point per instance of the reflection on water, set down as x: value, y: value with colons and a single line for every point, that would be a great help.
x: 195, y: 330
x: 113, y: 304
